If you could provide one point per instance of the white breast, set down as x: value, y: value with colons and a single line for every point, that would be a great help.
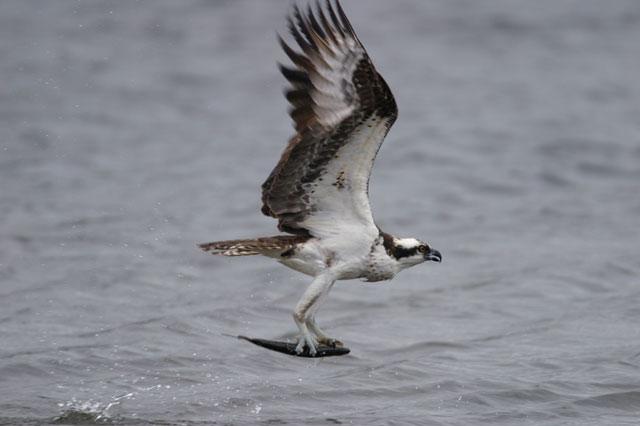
x: 380, y: 265
x: 349, y: 257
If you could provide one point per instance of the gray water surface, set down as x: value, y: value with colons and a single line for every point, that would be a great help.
x: 130, y: 131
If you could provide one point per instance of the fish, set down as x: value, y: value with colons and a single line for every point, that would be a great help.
x: 289, y: 348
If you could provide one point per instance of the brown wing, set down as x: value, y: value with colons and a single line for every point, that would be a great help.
x: 342, y: 109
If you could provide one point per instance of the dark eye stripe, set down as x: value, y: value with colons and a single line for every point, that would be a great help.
x: 394, y: 250
x: 400, y: 252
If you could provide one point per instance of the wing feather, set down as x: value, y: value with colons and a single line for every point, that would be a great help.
x: 342, y: 109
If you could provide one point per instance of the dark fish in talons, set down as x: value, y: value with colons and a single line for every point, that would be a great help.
x: 290, y: 348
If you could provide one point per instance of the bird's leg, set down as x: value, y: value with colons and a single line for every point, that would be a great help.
x: 306, y: 307
x: 321, y: 336
x: 306, y: 338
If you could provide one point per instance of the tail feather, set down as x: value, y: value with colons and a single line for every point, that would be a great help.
x: 249, y: 247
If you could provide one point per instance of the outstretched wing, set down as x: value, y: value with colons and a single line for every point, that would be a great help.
x: 342, y: 110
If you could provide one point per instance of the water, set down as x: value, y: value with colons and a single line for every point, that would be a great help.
x: 130, y: 131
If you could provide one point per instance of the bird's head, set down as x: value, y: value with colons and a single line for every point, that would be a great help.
x: 410, y: 251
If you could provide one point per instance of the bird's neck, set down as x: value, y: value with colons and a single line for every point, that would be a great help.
x: 388, y: 241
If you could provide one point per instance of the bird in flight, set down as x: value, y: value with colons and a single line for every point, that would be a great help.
x: 342, y: 110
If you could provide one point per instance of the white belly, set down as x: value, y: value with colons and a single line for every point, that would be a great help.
x: 348, y: 259
x: 309, y: 258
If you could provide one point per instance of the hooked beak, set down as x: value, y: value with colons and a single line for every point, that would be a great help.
x: 433, y: 255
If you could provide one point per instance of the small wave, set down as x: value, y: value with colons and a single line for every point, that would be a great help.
x: 627, y: 401
x: 424, y: 347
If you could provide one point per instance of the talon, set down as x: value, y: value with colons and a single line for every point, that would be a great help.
x: 311, y: 345
x: 331, y: 342
x: 337, y: 343
x: 307, y: 342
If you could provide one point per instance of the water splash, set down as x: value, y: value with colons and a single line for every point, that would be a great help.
x: 77, y: 411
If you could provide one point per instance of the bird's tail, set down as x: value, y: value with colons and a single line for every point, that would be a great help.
x: 267, y: 246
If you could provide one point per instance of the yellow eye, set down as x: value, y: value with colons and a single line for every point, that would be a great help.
x: 423, y: 248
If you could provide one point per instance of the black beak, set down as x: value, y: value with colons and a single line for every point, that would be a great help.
x: 433, y: 255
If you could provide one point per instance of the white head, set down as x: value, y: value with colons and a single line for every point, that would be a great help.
x: 410, y: 251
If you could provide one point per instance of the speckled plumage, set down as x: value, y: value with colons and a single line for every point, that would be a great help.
x: 335, y: 93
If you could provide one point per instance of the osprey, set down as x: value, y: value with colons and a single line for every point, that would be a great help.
x: 342, y: 110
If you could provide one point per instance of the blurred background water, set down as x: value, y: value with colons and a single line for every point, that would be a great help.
x: 130, y: 131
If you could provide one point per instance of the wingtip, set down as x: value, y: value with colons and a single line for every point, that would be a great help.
x: 343, y: 18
